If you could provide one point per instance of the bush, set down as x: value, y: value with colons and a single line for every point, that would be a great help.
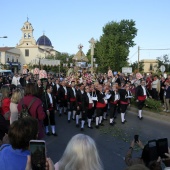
x: 152, y: 104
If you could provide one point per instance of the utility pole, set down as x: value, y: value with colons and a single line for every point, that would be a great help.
x: 138, y: 57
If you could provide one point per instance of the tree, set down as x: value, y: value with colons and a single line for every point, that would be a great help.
x: 112, y: 49
x: 164, y: 60
x: 135, y: 66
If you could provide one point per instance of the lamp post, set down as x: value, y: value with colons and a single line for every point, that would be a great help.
x: 4, y: 37
x: 92, y: 46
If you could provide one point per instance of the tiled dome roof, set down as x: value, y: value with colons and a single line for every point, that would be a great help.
x: 44, y: 40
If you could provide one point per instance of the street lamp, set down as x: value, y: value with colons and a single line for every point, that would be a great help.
x: 92, y: 46
x: 4, y: 37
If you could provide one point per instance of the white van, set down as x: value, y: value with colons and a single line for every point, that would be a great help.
x: 5, y: 72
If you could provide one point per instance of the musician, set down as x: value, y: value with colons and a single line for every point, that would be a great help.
x: 113, y: 103
x: 55, y: 92
x: 79, y: 96
x: 48, y: 104
x: 72, y: 102
x: 62, y: 97
x: 125, y: 96
x: 141, y: 95
x: 100, y: 105
x: 87, y: 108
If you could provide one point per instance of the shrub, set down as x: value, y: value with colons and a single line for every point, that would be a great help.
x: 152, y: 104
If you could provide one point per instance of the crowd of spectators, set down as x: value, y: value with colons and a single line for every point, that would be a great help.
x: 81, y: 151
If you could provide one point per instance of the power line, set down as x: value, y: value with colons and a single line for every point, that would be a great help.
x: 133, y: 55
x: 155, y: 49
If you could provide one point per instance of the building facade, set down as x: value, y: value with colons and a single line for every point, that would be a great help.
x: 10, y: 59
x: 150, y: 65
x: 31, y: 51
x: 27, y: 52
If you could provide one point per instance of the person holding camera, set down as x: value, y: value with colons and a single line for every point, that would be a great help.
x: 145, y: 157
x: 128, y: 158
x: 14, y: 155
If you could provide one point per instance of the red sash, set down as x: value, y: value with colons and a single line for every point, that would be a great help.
x: 100, y: 105
x: 142, y: 98
x: 90, y: 106
x: 115, y: 102
x: 122, y: 102
x: 51, y: 107
x: 72, y: 99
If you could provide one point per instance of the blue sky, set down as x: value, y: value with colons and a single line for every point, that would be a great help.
x: 70, y: 22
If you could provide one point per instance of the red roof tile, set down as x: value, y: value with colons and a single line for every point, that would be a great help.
x: 5, y: 48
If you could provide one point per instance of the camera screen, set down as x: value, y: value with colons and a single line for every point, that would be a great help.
x: 162, y: 145
x: 38, y: 155
x: 152, y: 150
x: 136, y: 137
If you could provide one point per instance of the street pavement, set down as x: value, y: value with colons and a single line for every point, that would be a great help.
x: 112, y: 142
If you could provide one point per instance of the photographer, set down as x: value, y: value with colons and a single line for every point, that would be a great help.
x: 166, y: 161
x: 144, y: 159
x: 128, y: 158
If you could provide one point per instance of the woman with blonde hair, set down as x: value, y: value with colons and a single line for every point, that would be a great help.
x: 80, y: 154
x: 16, y: 97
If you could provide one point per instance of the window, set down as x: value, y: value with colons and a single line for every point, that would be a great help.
x: 26, y: 53
x: 151, y: 67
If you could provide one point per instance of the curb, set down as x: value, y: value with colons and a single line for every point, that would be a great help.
x: 158, y: 116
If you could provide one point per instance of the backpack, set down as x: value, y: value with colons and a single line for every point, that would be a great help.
x: 25, y: 110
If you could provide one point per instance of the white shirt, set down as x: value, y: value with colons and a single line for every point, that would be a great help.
x: 57, y: 86
x: 90, y: 99
x: 74, y: 91
x: 116, y: 96
x: 51, y: 100
x: 154, y: 84
x: 144, y: 90
x: 65, y: 90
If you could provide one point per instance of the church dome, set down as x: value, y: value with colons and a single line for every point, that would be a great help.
x: 43, y: 40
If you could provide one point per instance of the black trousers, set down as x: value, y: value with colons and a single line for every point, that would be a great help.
x: 89, y: 113
x: 123, y: 107
x: 140, y: 104
x: 154, y: 94
x: 73, y: 106
x: 63, y: 103
x: 99, y: 112
x: 113, y: 109
x: 79, y: 110
x: 49, y: 120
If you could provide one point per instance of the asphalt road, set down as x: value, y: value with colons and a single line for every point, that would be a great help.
x: 112, y: 142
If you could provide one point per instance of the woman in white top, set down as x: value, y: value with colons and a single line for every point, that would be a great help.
x: 80, y: 154
x: 16, y: 97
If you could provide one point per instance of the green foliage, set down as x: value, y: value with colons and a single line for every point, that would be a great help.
x: 154, y: 105
x: 135, y: 66
x: 150, y: 104
x: 164, y: 61
x: 112, y: 49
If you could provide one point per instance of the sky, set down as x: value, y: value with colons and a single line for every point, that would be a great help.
x: 68, y: 23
